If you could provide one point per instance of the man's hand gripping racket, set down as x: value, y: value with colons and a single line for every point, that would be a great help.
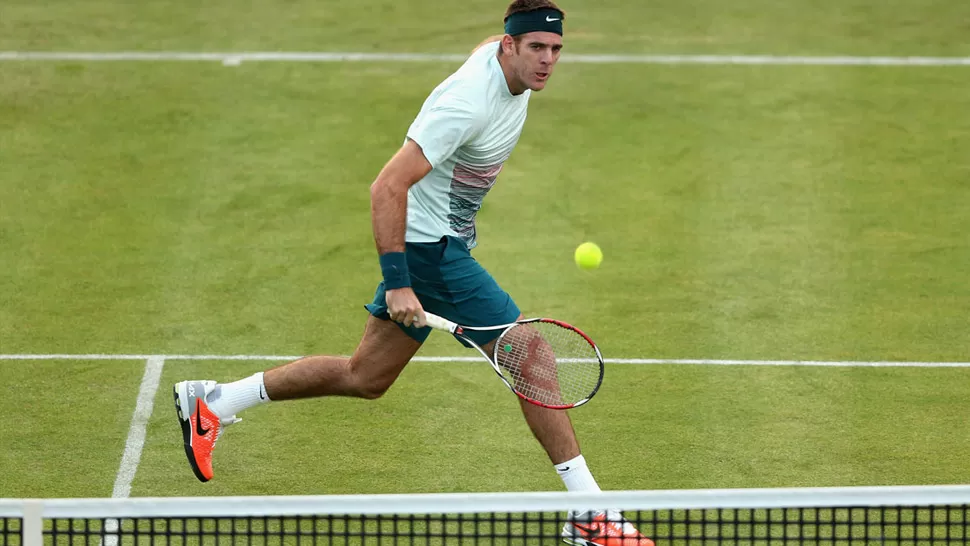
x: 544, y: 361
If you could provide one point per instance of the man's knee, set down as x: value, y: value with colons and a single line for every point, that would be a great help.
x: 369, y: 379
x: 373, y: 392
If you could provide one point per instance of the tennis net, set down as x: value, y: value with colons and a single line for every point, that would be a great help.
x: 888, y: 516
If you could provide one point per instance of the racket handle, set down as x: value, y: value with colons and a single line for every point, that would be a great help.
x: 439, y: 323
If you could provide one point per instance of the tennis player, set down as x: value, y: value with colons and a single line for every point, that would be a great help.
x: 423, y: 208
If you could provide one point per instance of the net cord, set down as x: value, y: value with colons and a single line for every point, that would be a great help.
x: 32, y: 510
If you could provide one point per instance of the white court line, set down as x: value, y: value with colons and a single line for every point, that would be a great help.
x: 641, y: 361
x: 230, y: 58
x: 139, y: 422
x: 135, y: 442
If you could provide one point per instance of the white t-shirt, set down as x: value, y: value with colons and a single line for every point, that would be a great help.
x: 467, y: 128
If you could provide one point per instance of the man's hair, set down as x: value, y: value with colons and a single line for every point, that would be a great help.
x: 520, y: 6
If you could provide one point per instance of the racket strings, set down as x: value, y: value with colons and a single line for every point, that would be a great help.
x: 549, y: 363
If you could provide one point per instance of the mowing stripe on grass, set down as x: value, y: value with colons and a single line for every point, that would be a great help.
x: 229, y: 58
x: 139, y: 422
x: 640, y: 361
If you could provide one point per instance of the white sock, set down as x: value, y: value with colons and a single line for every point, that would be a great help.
x: 575, y: 474
x: 231, y: 398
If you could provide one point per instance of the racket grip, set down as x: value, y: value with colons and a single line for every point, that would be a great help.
x: 439, y: 323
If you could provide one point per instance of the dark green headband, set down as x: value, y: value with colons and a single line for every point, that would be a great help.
x: 544, y: 20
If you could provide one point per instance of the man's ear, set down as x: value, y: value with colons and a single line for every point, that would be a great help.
x: 508, y: 45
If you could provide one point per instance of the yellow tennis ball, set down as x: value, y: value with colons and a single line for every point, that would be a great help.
x: 588, y: 256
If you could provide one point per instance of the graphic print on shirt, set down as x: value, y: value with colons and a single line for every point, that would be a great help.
x: 469, y: 185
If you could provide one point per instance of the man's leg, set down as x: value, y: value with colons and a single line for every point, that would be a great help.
x: 551, y: 427
x: 554, y: 431
x: 205, y: 408
x: 490, y: 304
x: 379, y: 359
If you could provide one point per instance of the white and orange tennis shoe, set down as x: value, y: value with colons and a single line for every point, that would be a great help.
x: 201, y: 428
x: 602, y: 529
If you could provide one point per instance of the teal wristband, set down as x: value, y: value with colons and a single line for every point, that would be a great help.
x: 394, y: 267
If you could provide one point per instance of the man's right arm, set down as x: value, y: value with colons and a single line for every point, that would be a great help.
x: 389, y: 198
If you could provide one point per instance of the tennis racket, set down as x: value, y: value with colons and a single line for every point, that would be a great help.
x: 543, y: 361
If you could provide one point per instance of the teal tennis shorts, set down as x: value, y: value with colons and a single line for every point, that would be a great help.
x: 452, y: 284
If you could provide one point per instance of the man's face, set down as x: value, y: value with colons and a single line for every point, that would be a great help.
x: 533, y: 58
